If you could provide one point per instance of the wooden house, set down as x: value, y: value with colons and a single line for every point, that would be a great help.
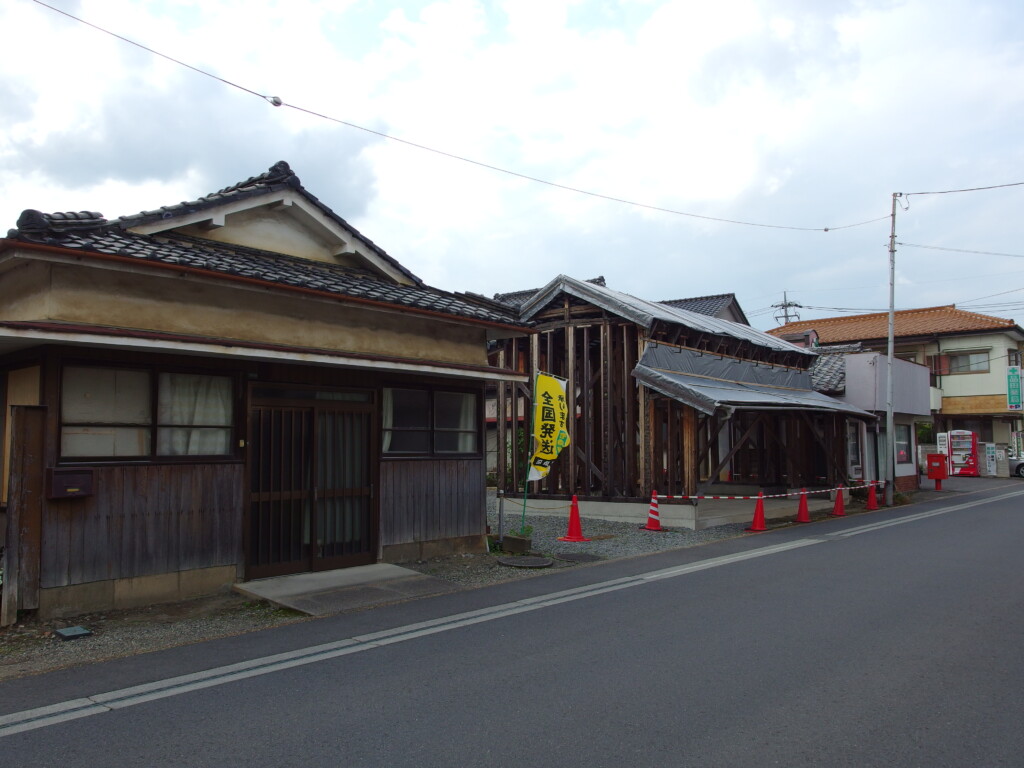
x: 225, y: 389
x: 665, y: 399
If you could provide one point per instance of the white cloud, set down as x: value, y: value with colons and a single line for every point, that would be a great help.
x: 789, y: 113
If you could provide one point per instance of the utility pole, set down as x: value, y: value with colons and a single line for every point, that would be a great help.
x: 890, y: 429
x: 783, y: 315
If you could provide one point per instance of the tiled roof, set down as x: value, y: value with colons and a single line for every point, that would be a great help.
x: 280, y: 176
x: 704, y: 305
x: 90, y: 232
x: 944, y: 320
x: 828, y: 373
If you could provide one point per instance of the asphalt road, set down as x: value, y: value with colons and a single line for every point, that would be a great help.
x: 892, y: 639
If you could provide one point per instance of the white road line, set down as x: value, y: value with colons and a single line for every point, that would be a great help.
x: 31, y: 719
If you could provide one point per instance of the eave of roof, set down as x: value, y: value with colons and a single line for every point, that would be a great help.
x: 268, y: 270
x: 154, y: 341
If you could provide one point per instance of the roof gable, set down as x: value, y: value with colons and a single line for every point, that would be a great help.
x: 272, y: 212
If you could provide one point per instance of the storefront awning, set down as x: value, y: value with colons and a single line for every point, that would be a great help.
x: 708, y: 382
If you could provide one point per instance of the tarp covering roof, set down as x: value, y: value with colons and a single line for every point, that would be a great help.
x: 645, y: 313
x: 708, y: 382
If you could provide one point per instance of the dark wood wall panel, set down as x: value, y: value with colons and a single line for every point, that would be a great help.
x: 142, y: 521
x: 430, y: 500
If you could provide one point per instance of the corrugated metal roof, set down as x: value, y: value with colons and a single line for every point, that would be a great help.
x: 738, y: 385
x: 644, y: 313
x: 908, y: 322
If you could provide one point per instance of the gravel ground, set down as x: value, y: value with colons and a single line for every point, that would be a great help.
x: 32, y: 648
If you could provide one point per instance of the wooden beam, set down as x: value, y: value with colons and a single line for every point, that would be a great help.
x: 570, y: 357
x: 690, y: 448
x: 735, y: 448
x: 605, y: 403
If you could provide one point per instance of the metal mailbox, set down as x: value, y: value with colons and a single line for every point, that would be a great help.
x: 69, y: 482
x: 938, y: 466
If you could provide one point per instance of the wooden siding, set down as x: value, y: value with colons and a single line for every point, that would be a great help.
x: 431, y: 500
x: 142, y: 521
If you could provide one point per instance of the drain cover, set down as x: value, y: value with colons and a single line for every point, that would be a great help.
x: 526, y: 562
x: 577, y: 557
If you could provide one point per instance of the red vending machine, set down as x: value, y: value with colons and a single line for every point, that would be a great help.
x: 963, y: 453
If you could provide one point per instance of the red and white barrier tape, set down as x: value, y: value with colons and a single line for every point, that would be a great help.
x: 879, y: 484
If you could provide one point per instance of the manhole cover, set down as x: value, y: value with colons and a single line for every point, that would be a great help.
x: 526, y: 562
x: 577, y: 557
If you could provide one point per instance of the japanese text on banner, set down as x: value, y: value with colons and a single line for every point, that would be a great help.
x: 550, y: 428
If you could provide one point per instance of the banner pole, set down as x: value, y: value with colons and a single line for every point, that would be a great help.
x: 529, y: 451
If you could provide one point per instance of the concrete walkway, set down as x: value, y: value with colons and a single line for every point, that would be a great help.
x: 345, y: 589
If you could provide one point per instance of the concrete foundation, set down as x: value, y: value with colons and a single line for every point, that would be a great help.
x: 705, y: 514
x: 424, y: 550
x: 115, y: 594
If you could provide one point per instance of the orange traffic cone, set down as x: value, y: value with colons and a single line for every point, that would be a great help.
x: 872, y: 498
x: 575, y: 532
x: 653, y: 520
x: 838, y: 510
x: 802, y: 514
x: 757, y: 525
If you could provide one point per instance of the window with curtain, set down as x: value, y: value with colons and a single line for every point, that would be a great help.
x: 425, y: 422
x: 114, y: 413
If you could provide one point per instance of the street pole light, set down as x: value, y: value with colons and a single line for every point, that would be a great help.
x: 890, y: 428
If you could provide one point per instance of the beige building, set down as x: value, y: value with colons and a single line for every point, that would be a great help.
x: 971, y: 360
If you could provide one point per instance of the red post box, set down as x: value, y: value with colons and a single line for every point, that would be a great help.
x: 938, y: 468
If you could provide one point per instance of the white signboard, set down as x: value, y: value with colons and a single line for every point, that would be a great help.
x: 990, y: 459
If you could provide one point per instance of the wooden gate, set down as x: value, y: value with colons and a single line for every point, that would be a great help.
x: 311, y: 501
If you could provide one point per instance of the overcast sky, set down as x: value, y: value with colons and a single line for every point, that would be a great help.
x: 791, y: 113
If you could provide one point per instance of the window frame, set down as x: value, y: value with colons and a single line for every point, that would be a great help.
x: 432, y: 430
x: 154, y: 427
x: 909, y: 442
x: 955, y: 370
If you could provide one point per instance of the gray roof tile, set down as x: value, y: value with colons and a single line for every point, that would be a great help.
x: 91, y: 232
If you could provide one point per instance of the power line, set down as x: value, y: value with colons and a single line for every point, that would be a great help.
x: 278, y: 102
x: 961, y: 250
x: 969, y: 189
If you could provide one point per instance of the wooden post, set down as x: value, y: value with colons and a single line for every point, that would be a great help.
x: 607, y: 465
x: 643, y: 446
x: 570, y: 386
x: 691, y: 448
x: 24, y: 513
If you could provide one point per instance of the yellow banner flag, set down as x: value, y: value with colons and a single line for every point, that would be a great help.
x: 550, y: 424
